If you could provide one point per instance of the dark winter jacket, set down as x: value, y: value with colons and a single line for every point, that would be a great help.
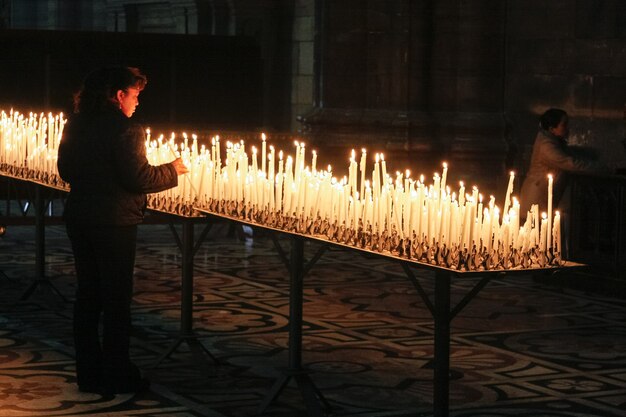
x: 103, y: 158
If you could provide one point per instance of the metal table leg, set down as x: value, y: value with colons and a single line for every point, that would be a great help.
x: 187, y: 334
x: 310, y: 393
x: 441, y: 394
x: 443, y: 314
x: 40, y: 248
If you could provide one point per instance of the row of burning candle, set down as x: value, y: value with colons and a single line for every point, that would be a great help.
x: 30, y: 141
x: 410, y: 207
x: 378, y: 202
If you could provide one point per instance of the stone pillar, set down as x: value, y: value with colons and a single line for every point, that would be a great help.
x: 303, y: 47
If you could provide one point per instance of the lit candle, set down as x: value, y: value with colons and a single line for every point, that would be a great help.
x: 509, y: 190
x: 362, y: 167
x: 218, y: 165
x: 444, y: 177
x: 352, y: 174
x: 263, y: 154
x: 384, y: 168
x: 479, y: 212
x: 271, y: 179
x: 437, y: 187
x: 549, y: 225
x: 279, y: 183
x: 376, y: 180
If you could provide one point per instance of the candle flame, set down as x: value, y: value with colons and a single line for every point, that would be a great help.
x: 263, y: 136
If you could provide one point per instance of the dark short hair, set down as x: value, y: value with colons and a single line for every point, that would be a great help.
x: 101, y: 85
x: 551, y: 118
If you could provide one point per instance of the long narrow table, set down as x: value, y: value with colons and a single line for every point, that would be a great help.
x: 441, y: 310
x: 187, y: 245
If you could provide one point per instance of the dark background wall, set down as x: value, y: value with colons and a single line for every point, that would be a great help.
x: 421, y: 80
x: 465, y: 81
x: 569, y: 54
x: 193, y: 81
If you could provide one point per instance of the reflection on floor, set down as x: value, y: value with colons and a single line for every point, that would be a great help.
x: 521, y: 348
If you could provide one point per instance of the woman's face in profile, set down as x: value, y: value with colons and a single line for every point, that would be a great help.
x: 562, y: 129
x: 129, y: 100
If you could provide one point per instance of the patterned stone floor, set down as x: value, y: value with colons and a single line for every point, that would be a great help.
x: 521, y: 348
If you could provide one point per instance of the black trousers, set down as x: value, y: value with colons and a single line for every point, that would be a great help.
x: 104, y: 259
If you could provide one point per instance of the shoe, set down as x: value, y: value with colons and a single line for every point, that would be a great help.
x: 135, y: 386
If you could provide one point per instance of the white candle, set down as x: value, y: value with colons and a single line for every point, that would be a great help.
x: 218, y: 166
x: 556, y: 233
x: 376, y: 179
x: 352, y: 174
x: 362, y: 167
x: 509, y: 190
x: 444, y: 177
x: 384, y: 168
x: 479, y: 220
x: 271, y: 179
x: 543, y: 232
x: 549, y: 225
x: 263, y: 154
x: 279, y: 183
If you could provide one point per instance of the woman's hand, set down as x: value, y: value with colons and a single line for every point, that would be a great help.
x: 179, y: 166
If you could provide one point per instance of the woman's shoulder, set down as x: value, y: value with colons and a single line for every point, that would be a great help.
x: 544, y: 139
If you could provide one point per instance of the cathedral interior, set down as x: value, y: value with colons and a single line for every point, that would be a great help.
x: 422, y: 81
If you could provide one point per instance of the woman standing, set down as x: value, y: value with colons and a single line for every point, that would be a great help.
x: 102, y: 156
x: 552, y: 155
